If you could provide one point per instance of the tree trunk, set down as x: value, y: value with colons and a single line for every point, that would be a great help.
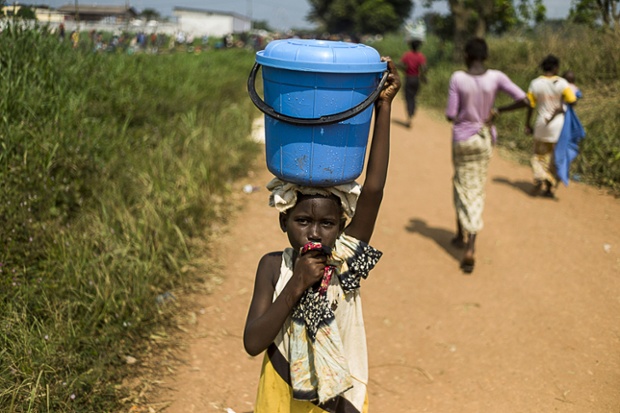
x: 485, y: 10
x: 461, y: 16
x: 615, y: 14
x: 604, y: 12
x: 481, y: 28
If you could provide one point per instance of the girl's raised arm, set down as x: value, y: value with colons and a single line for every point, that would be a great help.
x: 363, y: 222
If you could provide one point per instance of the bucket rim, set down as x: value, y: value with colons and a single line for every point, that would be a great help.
x: 326, y: 56
x: 344, y: 68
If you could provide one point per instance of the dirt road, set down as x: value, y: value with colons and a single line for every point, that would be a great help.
x: 535, y: 328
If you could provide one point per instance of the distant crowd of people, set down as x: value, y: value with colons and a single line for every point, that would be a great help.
x: 142, y: 42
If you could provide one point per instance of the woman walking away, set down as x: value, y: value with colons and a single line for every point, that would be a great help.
x: 306, y: 308
x: 471, y: 97
x: 413, y: 62
x: 547, y: 94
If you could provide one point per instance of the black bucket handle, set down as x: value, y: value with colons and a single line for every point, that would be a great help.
x: 323, y: 120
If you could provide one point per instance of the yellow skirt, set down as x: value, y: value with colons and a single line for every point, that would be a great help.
x: 543, y: 162
x: 275, y: 395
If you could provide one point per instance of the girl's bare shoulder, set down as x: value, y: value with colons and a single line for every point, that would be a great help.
x: 269, y: 266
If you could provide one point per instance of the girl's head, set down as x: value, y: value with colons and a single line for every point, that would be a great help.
x: 309, y: 213
x: 569, y: 76
x: 415, y: 45
x: 314, y: 218
x: 550, y: 64
x: 313, y: 214
x: 476, y: 49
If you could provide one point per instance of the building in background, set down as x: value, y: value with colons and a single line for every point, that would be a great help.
x: 93, y: 13
x: 210, y: 23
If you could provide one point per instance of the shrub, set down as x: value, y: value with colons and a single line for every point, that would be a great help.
x: 110, y: 164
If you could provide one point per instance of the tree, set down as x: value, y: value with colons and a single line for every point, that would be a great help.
x: 261, y: 25
x: 592, y: 11
x: 357, y: 17
x: 26, y: 13
x: 150, y: 14
x: 477, y: 17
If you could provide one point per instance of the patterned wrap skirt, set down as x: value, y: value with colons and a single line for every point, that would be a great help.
x: 543, y: 162
x: 471, y: 162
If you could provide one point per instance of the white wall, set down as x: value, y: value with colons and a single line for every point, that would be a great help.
x: 200, y: 24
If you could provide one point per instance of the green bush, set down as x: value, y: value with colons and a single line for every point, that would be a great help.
x: 110, y: 164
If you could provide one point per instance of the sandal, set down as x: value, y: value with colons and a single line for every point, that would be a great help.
x: 535, y: 191
x: 458, y: 242
x: 467, y: 264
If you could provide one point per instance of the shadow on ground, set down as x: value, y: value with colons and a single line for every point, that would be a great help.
x: 524, y: 186
x: 401, y: 123
x: 441, y: 236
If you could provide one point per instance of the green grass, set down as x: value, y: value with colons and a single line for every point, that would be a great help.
x: 111, y: 164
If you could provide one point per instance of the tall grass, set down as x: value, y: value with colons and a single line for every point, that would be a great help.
x: 110, y: 164
x: 593, y: 55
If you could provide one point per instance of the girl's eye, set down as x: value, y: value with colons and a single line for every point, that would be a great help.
x: 328, y: 224
x: 302, y: 221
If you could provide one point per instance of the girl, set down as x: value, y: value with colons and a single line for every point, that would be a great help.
x: 470, y: 107
x: 413, y: 62
x: 306, y: 308
x: 547, y: 93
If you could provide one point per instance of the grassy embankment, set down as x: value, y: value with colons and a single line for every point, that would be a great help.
x: 110, y: 166
x: 593, y: 56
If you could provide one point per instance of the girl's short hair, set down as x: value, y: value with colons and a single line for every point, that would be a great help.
x: 477, y: 49
x: 415, y: 44
x: 549, y: 63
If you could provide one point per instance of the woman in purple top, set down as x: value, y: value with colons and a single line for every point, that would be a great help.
x: 471, y: 97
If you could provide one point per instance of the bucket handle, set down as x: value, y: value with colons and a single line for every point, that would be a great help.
x: 323, y: 120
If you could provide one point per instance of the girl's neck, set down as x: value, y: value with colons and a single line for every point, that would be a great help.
x: 476, y: 68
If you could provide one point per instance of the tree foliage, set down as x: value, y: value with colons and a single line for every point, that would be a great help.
x: 477, y: 17
x: 590, y: 12
x: 26, y: 13
x: 150, y: 14
x: 357, y: 17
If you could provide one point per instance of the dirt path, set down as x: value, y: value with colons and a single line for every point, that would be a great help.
x: 535, y: 328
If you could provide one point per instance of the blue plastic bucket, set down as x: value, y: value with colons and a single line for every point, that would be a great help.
x: 318, y: 99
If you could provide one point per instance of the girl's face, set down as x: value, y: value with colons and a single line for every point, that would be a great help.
x: 313, y: 219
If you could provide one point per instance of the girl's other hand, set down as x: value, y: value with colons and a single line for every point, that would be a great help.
x: 392, y: 85
x: 309, y: 269
x: 494, y: 114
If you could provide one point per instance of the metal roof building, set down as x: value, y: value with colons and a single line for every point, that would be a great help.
x: 212, y: 23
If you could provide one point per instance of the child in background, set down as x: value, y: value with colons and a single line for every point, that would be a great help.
x: 413, y: 62
x: 570, y: 78
x: 306, y: 307
x: 471, y: 96
x: 547, y: 94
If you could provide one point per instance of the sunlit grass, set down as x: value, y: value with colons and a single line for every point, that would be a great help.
x: 110, y: 165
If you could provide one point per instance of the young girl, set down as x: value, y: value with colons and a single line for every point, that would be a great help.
x: 547, y: 94
x: 413, y: 62
x: 306, y: 308
x: 471, y: 97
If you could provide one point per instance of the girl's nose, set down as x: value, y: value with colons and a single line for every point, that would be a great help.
x: 314, y: 234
